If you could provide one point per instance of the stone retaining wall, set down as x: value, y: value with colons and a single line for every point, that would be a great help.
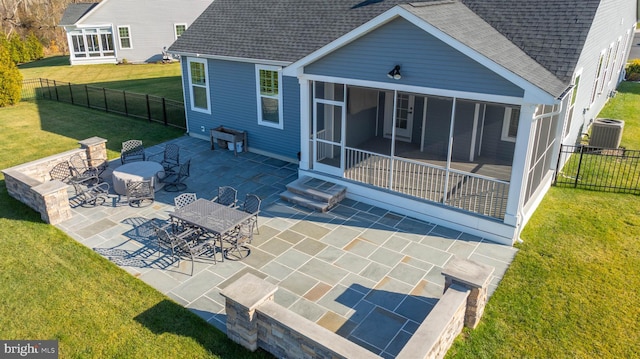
x: 254, y: 320
x: 31, y: 184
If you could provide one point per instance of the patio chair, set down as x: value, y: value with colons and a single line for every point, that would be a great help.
x: 140, y: 193
x: 252, y: 205
x: 82, y: 165
x: 239, y: 238
x: 184, y: 199
x: 174, y: 180
x: 170, y: 157
x: 183, y: 243
x: 227, y: 196
x: 91, y: 195
x: 61, y: 172
x: 80, y: 168
x: 132, y: 150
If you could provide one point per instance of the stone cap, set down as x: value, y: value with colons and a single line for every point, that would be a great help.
x: 468, y: 272
x: 249, y: 291
x: 92, y: 141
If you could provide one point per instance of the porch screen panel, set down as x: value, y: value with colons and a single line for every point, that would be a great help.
x: 328, y: 134
x: 438, y: 125
x: 541, y: 160
x: 78, y: 44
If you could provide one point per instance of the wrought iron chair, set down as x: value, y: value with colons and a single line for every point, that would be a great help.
x: 132, y: 150
x: 91, y: 195
x: 252, y: 205
x: 81, y: 169
x: 227, y: 196
x: 170, y: 157
x: 61, y: 172
x: 183, y: 243
x: 140, y: 193
x: 174, y: 180
x: 184, y: 199
x: 239, y: 238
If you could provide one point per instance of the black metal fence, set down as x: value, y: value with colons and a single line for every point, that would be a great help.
x: 600, y: 169
x: 148, y: 107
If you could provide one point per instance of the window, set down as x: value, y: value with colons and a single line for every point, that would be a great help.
x: 198, y: 84
x: 269, y: 95
x: 179, y: 29
x: 510, y: 124
x: 92, y: 43
x: 572, y: 102
x: 597, y: 79
x: 125, y: 37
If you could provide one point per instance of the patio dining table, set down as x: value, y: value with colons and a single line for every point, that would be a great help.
x: 211, y: 217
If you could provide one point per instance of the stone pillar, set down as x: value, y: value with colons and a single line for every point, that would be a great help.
x: 242, y: 297
x: 96, y: 149
x: 53, y: 202
x: 475, y: 277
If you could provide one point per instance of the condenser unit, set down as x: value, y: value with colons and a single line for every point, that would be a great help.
x: 606, y: 133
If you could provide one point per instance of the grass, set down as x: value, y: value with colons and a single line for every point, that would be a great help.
x: 572, y: 290
x: 155, y: 79
x: 55, y: 288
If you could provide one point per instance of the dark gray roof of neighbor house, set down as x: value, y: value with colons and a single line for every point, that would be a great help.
x: 74, y: 12
x: 541, y: 39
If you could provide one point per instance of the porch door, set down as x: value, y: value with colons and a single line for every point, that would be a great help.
x: 404, y: 117
x: 328, y: 122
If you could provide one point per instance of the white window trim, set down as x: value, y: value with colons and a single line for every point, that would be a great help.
x: 280, y: 124
x: 566, y: 127
x: 191, y: 85
x: 175, y: 29
x: 120, y: 39
x: 506, y: 122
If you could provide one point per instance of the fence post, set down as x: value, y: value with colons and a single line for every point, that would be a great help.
x: 148, y: 108
x: 55, y: 87
x: 126, y: 110
x: 71, y: 93
x: 86, y: 91
x: 164, y: 111
x: 555, y: 174
x: 575, y: 184
x: 104, y: 94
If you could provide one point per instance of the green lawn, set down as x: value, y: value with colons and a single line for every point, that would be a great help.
x: 55, y: 288
x: 572, y: 290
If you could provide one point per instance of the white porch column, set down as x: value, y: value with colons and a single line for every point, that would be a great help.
x: 521, y: 159
x: 304, y: 123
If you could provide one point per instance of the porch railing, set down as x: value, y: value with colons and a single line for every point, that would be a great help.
x: 474, y: 193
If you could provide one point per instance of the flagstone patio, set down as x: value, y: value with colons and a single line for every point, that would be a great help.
x: 368, y: 274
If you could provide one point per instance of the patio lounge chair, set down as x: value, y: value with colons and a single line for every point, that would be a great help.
x: 132, y: 150
x: 252, y: 205
x: 174, y: 180
x: 140, y: 193
x: 227, y: 196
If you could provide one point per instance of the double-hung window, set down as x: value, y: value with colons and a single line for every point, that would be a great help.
x: 179, y: 29
x: 199, y: 85
x: 124, y: 33
x: 269, y: 95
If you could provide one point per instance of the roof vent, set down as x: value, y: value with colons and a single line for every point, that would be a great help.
x: 606, y: 133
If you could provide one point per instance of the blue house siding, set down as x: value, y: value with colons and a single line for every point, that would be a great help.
x: 425, y: 61
x: 233, y: 101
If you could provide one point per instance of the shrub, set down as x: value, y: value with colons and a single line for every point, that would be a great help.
x: 632, y: 70
x: 11, y: 84
x: 17, y: 49
x: 34, y: 47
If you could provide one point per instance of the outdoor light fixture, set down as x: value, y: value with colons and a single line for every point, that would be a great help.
x: 395, y: 73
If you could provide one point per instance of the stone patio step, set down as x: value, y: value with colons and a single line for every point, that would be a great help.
x: 314, y: 193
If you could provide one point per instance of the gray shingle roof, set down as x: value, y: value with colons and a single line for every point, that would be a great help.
x: 75, y: 12
x: 546, y: 36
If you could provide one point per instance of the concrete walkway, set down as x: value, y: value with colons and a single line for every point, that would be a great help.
x: 365, y: 273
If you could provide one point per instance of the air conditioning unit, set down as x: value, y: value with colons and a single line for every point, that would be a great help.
x: 606, y: 133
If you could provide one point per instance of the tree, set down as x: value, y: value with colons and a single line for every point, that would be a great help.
x: 17, y: 50
x: 34, y: 47
x: 11, y: 84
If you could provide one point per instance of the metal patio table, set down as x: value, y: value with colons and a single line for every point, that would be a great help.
x: 212, y: 217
